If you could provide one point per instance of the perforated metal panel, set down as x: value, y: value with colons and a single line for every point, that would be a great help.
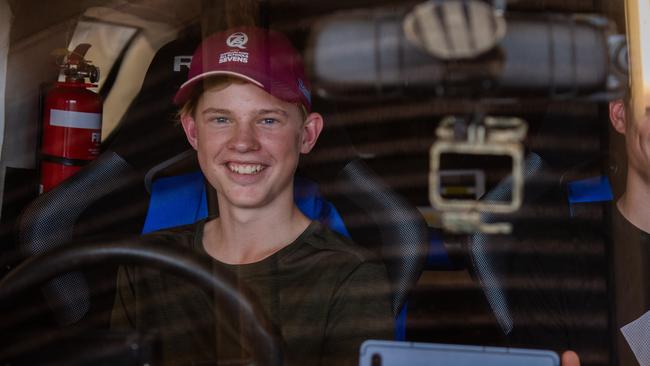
x: 49, y: 222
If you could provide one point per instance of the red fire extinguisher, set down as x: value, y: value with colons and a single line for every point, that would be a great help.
x: 72, y: 121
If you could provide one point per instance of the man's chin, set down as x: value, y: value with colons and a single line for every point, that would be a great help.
x: 246, y: 199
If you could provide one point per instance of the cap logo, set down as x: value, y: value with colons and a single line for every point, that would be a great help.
x: 237, y: 40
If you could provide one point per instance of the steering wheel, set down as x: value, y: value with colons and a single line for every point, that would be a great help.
x: 259, y: 335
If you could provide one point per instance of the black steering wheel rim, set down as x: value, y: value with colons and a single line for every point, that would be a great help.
x: 260, y: 336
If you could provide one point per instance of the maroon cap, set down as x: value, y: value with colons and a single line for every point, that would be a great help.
x: 260, y: 56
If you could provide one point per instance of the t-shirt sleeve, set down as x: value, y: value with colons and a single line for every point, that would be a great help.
x: 360, y: 310
x: 124, y: 307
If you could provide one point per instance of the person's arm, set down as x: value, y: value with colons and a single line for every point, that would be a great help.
x: 360, y: 310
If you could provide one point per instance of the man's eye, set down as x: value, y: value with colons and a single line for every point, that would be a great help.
x: 268, y: 121
x: 219, y: 119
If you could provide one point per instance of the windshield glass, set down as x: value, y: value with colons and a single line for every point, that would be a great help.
x: 484, y: 162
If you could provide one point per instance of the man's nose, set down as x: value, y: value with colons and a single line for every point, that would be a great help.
x: 243, y: 138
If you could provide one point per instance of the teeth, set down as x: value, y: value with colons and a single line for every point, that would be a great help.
x: 245, y: 168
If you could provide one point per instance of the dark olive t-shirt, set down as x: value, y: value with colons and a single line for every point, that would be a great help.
x: 631, y: 260
x: 323, y: 292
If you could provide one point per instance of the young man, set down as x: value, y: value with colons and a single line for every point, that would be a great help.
x: 631, y: 239
x: 246, y: 110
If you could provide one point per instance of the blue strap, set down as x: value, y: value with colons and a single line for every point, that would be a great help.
x: 596, y: 189
x: 311, y: 203
x: 400, y: 323
x: 437, y: 258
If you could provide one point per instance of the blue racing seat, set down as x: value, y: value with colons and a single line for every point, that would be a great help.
x: 182, y: 199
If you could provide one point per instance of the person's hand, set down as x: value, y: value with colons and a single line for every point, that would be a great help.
x: 570, y: 358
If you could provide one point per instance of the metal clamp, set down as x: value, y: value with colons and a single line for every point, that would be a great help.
x: 494, y: 136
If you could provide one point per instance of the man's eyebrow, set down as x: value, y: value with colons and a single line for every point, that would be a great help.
x: 258, y: 112
x: 215, y: 110
x: 270, y: 111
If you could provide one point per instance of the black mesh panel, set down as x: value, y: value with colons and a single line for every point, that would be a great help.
x: 49, y: 222
x: 403, y: 233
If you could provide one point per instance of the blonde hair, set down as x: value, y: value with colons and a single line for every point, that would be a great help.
x: 210, y: 83
x: 217, y: 83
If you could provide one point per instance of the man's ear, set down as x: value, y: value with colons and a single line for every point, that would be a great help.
x: 189, y: 126
x: 311, y: 129
x: 617, y: 115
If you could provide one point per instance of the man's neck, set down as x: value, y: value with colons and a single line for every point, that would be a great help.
x: 634, y: 205
x: 241, y: 236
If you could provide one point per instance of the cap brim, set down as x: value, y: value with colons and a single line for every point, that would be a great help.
x: 185, y: 91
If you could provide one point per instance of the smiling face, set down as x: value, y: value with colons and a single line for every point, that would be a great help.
x: 248, y: 143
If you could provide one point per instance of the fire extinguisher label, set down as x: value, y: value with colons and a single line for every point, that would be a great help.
x: 71, y: 119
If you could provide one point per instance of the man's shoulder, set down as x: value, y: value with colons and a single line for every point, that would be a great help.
x: 326, y: 241
x: 179, y: 235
